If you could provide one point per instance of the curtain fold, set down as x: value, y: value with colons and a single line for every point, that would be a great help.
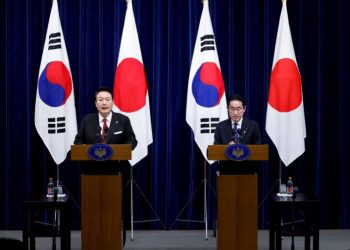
x: 245, y: 36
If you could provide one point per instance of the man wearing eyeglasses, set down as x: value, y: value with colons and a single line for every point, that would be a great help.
x: 237, y: 129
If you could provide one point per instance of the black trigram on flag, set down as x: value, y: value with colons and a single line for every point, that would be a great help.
x: 55, y: 41
x: 56, y: 125
x: 208, y: 125
x: 207, y: 43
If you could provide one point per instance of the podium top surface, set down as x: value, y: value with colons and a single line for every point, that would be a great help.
x: 120, y: 152
x: 259, y: 152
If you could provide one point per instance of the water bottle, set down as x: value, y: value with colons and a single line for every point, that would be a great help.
x: 50, y: 187
x: 290, y: 188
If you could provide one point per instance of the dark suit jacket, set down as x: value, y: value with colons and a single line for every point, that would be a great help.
x: 250, y: 132
x: 119, y: 131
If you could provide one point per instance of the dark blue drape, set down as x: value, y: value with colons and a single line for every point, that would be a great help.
x: 245, y: 36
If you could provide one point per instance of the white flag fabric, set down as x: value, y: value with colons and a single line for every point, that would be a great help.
x: 206, y: 99
x: 285, y: 121
x: 55, y: 115
x: 130, y: 87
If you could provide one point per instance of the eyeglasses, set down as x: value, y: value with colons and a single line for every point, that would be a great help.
x: 238, y: 109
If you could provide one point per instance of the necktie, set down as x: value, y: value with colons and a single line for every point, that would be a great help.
x: 104, y: 131
x: 235, y: 133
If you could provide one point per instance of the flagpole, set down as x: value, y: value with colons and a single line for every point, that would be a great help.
x: 280, y: 173
x: 205, y: 200
x: 58, y: 174
x: 205, y: 209
x: 131, y: 202
x: 132, y: 182
x: 57, y: 212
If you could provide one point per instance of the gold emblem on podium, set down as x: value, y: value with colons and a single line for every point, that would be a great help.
x: 100, y: 152
x: 237, y: 152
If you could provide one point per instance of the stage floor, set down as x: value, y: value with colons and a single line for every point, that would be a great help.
x: 193, y: 239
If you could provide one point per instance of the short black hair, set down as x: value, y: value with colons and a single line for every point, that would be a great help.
x: 105, y: 89
x: 236, y: 97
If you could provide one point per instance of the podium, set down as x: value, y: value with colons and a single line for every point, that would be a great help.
x: 237, y: 202
x: 101, y: 201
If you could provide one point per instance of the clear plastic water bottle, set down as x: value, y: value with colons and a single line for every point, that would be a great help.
x: 50, y: 187
x: 290, y: 188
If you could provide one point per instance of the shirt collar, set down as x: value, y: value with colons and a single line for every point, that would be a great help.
x: 108, y: 117
x: 239, y: 123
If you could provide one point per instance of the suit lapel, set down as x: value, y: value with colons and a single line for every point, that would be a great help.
x: 112, y: 127
x: 229, y: 126
x: 244, y: 128
x: 244, y: 125
x: 229, y: 131
x: 95, y: 126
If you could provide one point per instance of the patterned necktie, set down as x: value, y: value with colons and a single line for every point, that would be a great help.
x: 235, y: 133
x: 104, y: 131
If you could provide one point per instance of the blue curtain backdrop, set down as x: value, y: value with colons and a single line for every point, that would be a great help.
x: 245, y: 34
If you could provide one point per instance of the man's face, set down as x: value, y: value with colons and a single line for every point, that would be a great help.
x: 236, y: 110
x: 104, y: 103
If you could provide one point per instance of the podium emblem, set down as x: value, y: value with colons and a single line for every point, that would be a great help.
x: 237, y: 152
x: 100, y: 152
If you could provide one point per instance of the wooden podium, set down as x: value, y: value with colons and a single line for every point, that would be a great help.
x: 101, y: 202
x: 237, y: 202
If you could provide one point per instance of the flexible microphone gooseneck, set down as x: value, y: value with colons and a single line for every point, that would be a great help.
x: 98, y: 135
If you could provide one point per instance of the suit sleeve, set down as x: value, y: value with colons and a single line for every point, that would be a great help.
x: 130, y: 135
x: 256, y: 134
x: 79, y: 138
x: 217, y: 135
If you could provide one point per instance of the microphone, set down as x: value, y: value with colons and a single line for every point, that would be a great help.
x: 232, y: 136
x: 239, y: 132
x: 98, y: 134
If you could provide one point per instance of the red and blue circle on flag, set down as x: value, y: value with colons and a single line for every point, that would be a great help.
x: 208, y: 85
x: 55, y: 84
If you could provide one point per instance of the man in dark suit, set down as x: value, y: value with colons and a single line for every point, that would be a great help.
x: 108, y: 127
x: 105, y: 126
x: 248, y: 132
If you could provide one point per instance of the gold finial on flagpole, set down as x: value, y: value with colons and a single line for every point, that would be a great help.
x: 203, y: 1
x: 128, y: 1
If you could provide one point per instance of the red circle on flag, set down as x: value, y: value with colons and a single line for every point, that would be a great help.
x: 285, y: 86
x: 57, y: 73
x: 130, y: 85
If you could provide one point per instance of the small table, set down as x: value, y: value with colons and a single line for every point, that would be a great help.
x: 32, y: 228
x: 309, y: 207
